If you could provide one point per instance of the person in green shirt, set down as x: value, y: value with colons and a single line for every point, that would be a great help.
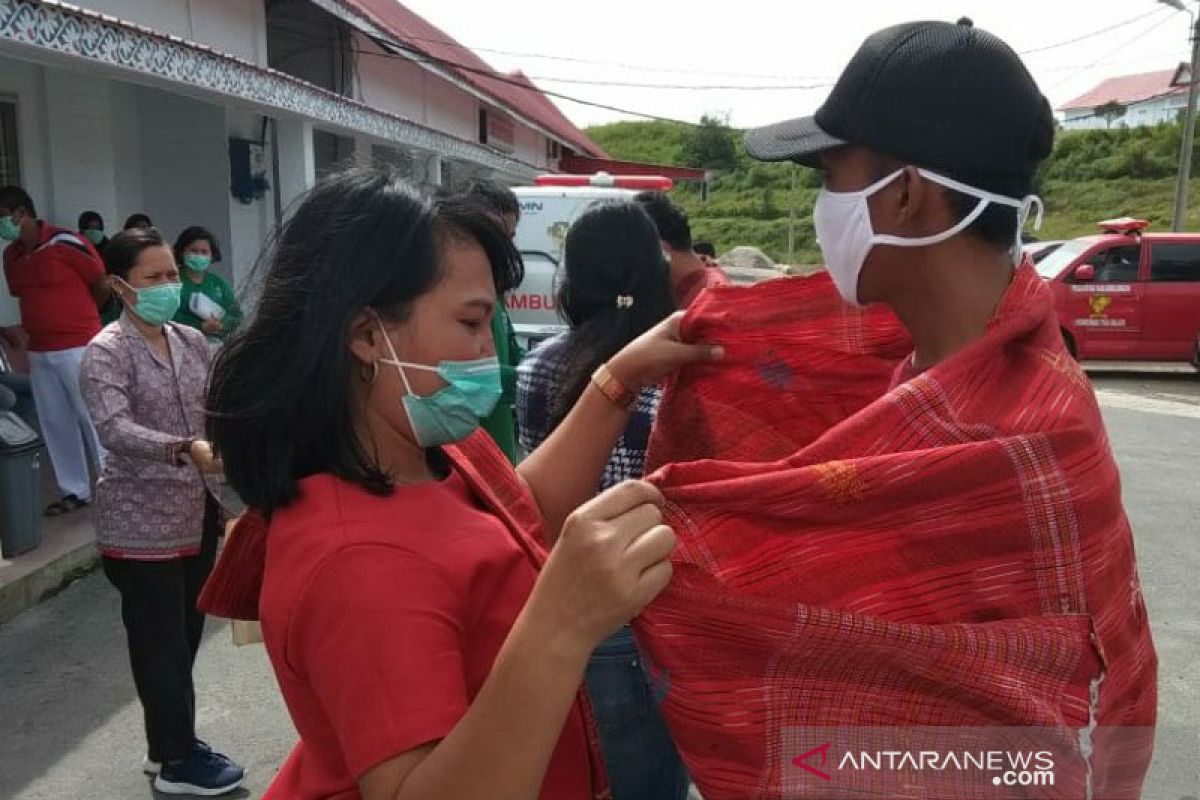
x: 207, y: 302
x: 502, y: 424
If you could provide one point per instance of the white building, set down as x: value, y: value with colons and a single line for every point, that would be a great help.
x: 188, y: 110
x: 1149, y: 98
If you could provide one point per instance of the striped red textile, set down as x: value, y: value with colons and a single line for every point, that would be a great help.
x: 952, y: 552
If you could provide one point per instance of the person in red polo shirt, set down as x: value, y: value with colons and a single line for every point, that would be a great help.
x: 59, y: 281
x: 690, y: 273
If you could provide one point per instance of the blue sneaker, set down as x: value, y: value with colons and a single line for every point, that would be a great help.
x: 151, y: 766
x: 205, y: 773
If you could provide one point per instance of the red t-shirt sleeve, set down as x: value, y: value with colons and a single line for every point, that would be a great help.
x: 378, y: 638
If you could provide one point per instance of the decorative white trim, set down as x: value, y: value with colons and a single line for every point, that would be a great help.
x: 81, y: 33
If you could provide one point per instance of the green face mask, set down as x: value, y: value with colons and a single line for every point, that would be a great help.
x: 156, y: 305
x: 94, y: 235
x: 197, y: 262
x: 10, y: 231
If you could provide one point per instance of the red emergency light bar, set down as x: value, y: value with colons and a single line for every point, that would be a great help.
x: 1123, y: 225
x: 641, y: 182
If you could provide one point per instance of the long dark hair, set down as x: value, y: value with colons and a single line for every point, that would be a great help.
x: 279, y: 403
x: 616, y: 286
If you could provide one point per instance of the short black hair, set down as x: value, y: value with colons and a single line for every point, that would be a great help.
x: 124, y: 249
x: 14, y: 197
x: 997, y: 225
x: 88, y: 217
x: 359, y: 239
x: 192, y: 235
x: 138, y: 220
x: 670, y: 219
x: 501, y: 199
x: 705, y: 249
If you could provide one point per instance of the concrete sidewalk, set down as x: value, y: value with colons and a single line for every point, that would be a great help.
x: 68, y: 551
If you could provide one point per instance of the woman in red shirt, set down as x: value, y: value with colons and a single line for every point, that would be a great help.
x: 425, y: 642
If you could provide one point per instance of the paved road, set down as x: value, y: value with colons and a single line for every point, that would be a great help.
x: 70, y: 725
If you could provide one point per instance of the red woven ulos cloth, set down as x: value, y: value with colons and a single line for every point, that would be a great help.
x: 951, y: 552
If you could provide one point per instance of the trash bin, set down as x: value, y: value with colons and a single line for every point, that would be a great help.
x: 20, y: 486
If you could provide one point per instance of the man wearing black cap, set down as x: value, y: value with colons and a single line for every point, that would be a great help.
x: 979, y: 493
x: 929, y: 143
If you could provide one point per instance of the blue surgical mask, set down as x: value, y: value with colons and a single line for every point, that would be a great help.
x: 454, y: 412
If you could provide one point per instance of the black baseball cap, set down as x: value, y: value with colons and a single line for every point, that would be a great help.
x: 949, y: 97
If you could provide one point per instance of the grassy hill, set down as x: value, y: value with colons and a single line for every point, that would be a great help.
x: 1092, y: 175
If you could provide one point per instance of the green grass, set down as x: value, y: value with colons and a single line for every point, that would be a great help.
x: 1092, y: 175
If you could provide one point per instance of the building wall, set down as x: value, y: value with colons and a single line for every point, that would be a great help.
x: 127, y: 151
x: 405, y: 88
x: 1151, y: 112
x: 235, y: 27
x: 185, y: 165
x: 394, y: 84
x: 249, y: 223
x: 82, y: 146
x: 530, y: 146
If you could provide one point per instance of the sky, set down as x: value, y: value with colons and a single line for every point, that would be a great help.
x: 798, y: 48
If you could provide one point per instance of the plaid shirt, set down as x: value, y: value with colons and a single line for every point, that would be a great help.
x: 540, y: 374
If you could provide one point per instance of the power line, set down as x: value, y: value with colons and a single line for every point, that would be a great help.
x: 414, y: 56
x: 618, y: 64
x: 587, y: 81
x: 719, y: 73
x: 424, y: 58
x: 1093, y: 34
x: 632, y: 84
x: 1115, y: 50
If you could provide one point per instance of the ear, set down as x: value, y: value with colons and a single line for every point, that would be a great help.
x: 914, y: 195
x: 126, y: 293
x: 366, y: 339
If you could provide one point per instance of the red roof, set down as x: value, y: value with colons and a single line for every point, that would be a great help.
x: 1129, y: 89
x: 526, y: 99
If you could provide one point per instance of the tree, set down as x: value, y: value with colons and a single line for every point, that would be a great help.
x: 712, y: 145
x: 1110, y: 112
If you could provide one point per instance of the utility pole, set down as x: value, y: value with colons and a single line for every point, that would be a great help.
x: 792, y: 217
x: 1179, y: 222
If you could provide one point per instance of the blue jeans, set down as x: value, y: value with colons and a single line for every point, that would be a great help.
x: 639, y: 755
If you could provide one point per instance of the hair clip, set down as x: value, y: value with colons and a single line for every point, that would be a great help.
x: 624, y: 301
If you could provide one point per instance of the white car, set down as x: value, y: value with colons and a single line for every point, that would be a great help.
x: 548, y: 210
x: 1040, y: 249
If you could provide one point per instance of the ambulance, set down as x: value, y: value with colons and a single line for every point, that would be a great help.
x: 548, y: 208
x: 1127, y: 294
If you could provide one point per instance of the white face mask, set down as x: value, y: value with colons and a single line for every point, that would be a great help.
x: 844, y: 232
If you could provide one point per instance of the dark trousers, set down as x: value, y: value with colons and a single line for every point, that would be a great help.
x: 639, y: 755
x: 163, y: 629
